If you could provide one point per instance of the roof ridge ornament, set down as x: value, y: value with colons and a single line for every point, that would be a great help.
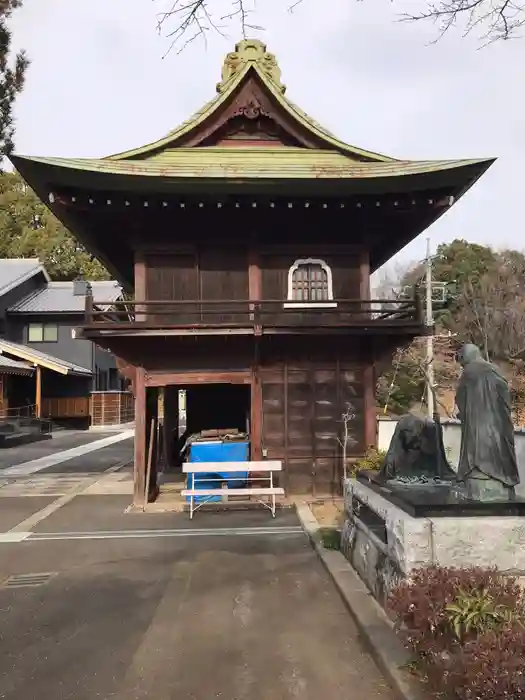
x: 250, y: 51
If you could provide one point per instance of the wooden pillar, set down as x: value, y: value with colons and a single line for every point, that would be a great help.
x: 370, y: 406
x: 38, y: 392
x: 139, y: 476
x: 364, y: 273
x: 152, y: 413
x: 171, y: 426
x: 254, y: 274
x: 256, y: 416
x: 255, y: 293
x: 364, y: 281
x: 140, y: 285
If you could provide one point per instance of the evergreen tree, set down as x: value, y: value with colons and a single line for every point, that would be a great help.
x: 12, y: 74
x: 29, y: 230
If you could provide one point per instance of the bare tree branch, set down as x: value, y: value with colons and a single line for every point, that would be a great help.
x: 187, y: 20
x: 493, y: 20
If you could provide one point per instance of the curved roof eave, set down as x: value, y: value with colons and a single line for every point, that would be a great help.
x: 64, y: 168
x: 210, y: 107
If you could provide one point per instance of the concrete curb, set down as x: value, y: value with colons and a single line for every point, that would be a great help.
x: 372, y: 622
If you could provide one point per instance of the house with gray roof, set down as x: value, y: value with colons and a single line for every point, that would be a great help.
x: 42, y: 359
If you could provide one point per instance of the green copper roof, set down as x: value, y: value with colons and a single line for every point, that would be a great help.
x: 276, y: 163
x: 251, y: 55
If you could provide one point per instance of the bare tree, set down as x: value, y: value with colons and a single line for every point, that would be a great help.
x: 490, y: 312
x: 184, y: 21
x: 491, y: 20
x: 411, y: 370
x: 346, y: 440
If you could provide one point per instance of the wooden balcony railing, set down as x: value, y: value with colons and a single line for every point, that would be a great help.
x: 256, y: 315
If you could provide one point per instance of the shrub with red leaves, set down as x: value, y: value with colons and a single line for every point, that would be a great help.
x: 485, y: 664
x: 491, y: 667
x: 419, y: 604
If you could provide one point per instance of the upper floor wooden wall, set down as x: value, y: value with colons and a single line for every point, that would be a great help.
x: 241, y: 273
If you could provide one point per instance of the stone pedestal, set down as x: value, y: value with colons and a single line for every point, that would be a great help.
x: 384, y: 543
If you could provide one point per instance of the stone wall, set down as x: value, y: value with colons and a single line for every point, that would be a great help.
x: 384, y: 543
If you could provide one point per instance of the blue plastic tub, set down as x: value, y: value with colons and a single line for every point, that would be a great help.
x: 218, y: 451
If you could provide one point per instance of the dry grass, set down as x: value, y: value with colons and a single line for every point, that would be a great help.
x: 329, y: 513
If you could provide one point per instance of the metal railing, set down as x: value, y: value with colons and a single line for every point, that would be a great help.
x: 28, y: 411
x: 155, y: 314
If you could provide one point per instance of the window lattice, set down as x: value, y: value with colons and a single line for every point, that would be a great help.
x: 310, y: 283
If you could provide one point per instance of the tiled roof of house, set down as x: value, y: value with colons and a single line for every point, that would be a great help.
x: 15, y: 271
x: 14, y: 366
x: 29, y: 354
x: 58, y: 297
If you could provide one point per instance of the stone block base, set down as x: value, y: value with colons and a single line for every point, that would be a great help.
x: 384, y: 543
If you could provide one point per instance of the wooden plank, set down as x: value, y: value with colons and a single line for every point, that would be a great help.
x: 183, y: 378
x: 38, y: 392
x: 140, y: 437
x: 275, y: 491
x: 317, y: 250
x: 71, y: 407
x: 270, y: 465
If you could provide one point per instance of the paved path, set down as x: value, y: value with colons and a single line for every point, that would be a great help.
x: 51, y: 461
x: 61, y: 440
x: 99, y: 603
x: 236, y: 617
x: 65, y: 471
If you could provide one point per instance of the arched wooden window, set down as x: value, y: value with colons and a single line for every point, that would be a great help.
x: 310, y: 283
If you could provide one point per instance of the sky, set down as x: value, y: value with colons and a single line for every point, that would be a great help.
x: 100, y: 82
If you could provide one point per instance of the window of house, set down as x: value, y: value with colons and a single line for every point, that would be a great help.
x: 310, y: 284
x: 101, y: 380
x: 42, y: 333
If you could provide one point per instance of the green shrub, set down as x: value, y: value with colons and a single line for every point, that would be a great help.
x: 475, y: 613
x: 372, y: 460
x: 330, y: 537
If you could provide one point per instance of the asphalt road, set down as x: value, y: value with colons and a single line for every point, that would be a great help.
x: 63, y: 440
x: 153, y: 606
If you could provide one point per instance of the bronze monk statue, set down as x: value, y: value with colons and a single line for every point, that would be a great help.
x: 416, y: 452
x: 487, y: 463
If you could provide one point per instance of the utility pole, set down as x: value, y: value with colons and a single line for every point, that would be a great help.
x: 430, y: 337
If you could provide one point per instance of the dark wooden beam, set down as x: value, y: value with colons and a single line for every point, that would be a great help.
x: 194, y: 377
x: 369, y: 406
x: 140, y: 437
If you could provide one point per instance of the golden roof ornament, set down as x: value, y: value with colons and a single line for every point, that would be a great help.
x: 250, y: 51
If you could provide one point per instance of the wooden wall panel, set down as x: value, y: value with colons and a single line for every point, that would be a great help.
x: 346, y: 275
x: 173, y: 277
x: 299, y: 405
x: 274, y: 273
x: 326, y: 413
x: 224, y: 275
x: 71, y: 407
x: 273, y: 406
x: 302, y: 422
